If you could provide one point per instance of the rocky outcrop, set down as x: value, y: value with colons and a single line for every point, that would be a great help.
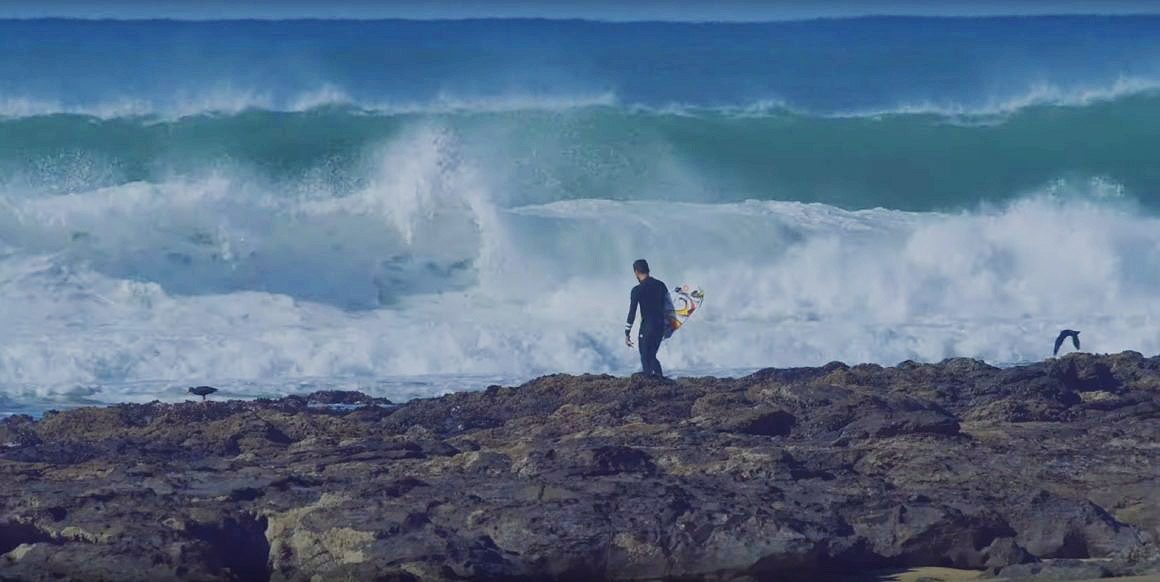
x: 1044, y: 470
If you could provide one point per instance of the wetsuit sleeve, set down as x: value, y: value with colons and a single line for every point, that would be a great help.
x: 634, y: 300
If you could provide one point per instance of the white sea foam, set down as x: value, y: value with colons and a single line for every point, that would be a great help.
x: 424, y: 280
x: 1037, y: 94
x: 989, y: 108
x: 787, y: 284
x: 222, y: 100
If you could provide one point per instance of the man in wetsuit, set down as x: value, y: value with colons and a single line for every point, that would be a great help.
x: 652, y: 296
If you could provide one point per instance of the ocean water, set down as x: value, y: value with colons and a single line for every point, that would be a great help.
x: 410, y: 208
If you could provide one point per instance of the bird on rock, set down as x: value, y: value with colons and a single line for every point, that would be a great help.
x: 1074, y: 335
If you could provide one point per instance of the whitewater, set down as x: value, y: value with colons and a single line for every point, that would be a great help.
x: 322, y: 233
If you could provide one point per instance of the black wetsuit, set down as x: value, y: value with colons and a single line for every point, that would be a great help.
x: 651, y: 294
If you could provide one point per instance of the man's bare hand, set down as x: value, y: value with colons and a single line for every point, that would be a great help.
x: 628, y: 340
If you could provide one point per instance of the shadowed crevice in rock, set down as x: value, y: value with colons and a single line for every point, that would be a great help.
x: 761, y: 422
x: 239, y: 545
x: 1073, y: 546
x: 13, y: 535
x: 613, y: 460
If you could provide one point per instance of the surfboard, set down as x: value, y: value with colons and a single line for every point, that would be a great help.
x: 688, y: 300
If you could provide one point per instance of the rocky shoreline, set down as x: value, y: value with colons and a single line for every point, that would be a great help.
x: 1049, y: 470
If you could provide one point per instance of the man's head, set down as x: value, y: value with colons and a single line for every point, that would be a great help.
x: 640, y: 268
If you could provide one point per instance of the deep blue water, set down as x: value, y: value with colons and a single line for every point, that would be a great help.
x: 819, y: 66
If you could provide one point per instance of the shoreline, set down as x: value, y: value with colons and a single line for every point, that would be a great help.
x: 174, y: 392
x: 1035, y: 470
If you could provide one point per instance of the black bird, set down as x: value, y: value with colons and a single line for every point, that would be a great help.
x: 202, y: 391
x: 1074, y: 335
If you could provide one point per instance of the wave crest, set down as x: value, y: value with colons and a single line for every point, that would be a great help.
x: 232, y: 101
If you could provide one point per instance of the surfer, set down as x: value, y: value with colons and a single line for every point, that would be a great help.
x: 652, y: 296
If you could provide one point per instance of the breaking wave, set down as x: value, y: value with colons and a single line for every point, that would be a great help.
x: 901, y: 161
x: 425, y: 271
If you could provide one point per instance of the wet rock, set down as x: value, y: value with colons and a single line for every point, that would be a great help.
x: 1044, y: 471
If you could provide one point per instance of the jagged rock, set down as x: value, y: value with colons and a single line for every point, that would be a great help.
x: 784, y: 474
x: 1003, y: 551
x: 1055, y: 527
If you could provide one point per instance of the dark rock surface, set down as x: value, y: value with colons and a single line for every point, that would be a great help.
x: 1047, y: 470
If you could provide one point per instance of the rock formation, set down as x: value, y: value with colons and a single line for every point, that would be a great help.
x: 1040, y: 470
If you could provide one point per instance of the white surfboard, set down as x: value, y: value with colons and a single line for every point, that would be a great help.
x: 678, y: 311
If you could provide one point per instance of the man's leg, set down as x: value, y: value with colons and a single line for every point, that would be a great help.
x: 649, y: 344
x: 645, y: 358
x: 656, y: 362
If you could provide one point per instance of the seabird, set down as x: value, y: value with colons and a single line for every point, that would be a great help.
x: 202, y: 391
x: 1074, y: 335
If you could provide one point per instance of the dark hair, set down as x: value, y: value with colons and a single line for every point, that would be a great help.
x: 640, y: 266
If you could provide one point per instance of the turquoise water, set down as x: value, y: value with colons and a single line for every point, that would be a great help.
x: 907, y: 161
